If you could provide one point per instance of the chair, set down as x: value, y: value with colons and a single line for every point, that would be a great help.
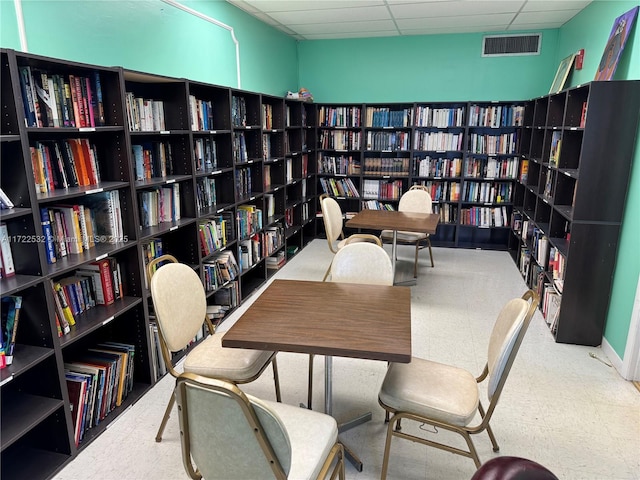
x: 333, y: 221
x: 357, y: 262
x: 226, y: 434
x: 180, y: 308
x: 512, y: 468
x: 417, y: 199
x: 447, y: 397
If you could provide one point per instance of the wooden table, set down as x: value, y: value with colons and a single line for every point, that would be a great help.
x: 331, y: 319
x: 396, y: 221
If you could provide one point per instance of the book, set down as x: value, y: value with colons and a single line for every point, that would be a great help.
x: 5, y: 201
x: 77, y: 390
x: 554, y: 154
x: 8, y: 267
x: 106, y: 278
x: 11, y: 306
x: 65, y: 313
x: 61, y: 315
x: 47, y: 231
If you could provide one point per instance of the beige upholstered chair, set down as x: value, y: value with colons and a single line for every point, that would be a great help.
x: 448, y: 397
x: 226, y: 434
x: 357, y: 262
x: 180, y: 307
x: 416, y: 199
x: 333, y: 222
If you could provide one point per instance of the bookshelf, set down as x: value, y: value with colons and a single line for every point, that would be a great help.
x: 577, y: 147
x: 173, y: 164
x: 466, y: 153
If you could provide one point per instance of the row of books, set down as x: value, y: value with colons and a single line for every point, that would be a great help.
x: 539, y: 244
x: 556, y: 267
x: 554, y: 152
x: 505, y: 144
x: 205, y: 151
x: 238, y: 111
x: 439, y: 117
x: 447, y: 211
x: 272, y: 239
x: 277, y: 261
x: 491, y: 167
x: 484, y: 216
x: 496, y: 116
x: 266, y: 146
x: 94, y: 284
x: 201, y: 114
x: 339, y: 187
x: 443, y: 191
x: 220, y: 269
x: 339, y: 116
x: 224, y: 300
x: 239, y: 148
x: 151, y: 250
x: 387, y: 117
x: 437, y: 141
x: 388, y: 141
x: 98, y: 381
x: 10, y: 309
x: 385, y: 190
x: 250, y: 252
x: 159, y: 205
x: 152, y: 160
x: 56, y: 100
x: 288, y: 117
x: 244, y: 185
x: 338, y: 165
x: 340, y: 140
x: 248, y: 219
x: 377, y: 205
x: 551, y: 302
x: 65, y: 163
x: 267, y: 116
x: 436, y: 167
x: 487, y: 192
x: 398, y: 167
x: 213, y: 234
x: 7, y: 266
x: 144, y: 114
x: 205, y: 192
x: 76, y: 228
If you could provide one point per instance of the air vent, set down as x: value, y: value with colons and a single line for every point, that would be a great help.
x: 505, y: 45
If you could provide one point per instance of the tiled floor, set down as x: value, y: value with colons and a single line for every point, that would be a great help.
x: 560, y: 407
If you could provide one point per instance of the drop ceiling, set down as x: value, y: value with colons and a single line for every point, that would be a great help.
x: 332, y: 19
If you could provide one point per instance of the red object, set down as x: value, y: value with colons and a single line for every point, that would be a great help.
x: 579, y: 59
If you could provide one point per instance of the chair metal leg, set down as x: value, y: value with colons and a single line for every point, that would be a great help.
x: 387, y: 449
x: 324, y: 279
x: 165, y: 419
x: 494, y: 442
x: 430, y: 251
x: 415, y: 263
x: 310, y: 382
x: 276, y: 378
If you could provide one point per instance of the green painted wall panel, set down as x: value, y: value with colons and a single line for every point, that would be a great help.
x: 590, y: 29
x: 428, y: 67
x: 154, y: 37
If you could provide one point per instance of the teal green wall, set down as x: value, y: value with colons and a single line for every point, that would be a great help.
x: 597, y: 20
x: 151, y: 36
x: 427, y: 67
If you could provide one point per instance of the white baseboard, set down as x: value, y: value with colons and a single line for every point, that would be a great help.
x: 613, y: 357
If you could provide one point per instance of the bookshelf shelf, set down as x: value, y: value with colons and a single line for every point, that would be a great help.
x: 572, y: 200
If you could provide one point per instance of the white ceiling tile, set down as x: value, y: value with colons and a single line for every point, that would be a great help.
x: 459, y: 22
x: 550, y: 5
x: 454, y: 8
x: 534, y: 26
x: 313, y: 5
x: 453, y: 29
x: 328, y: 16
x: 560, y: 16
x: 336, y: 36
x: 345, y: 27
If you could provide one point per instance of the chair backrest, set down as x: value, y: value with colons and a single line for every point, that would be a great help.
x: 228, y: 435
x: 362, y: 262
x: 179, y: 303
x: 506, y: 337
x: 332, y: 218
x: 417, y: 199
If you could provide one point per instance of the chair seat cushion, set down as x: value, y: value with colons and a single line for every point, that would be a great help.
x: 211, y: 359
x: 403, y: 237
x: 433, y: 390
x: 312, y: 435
x: 343, y: 242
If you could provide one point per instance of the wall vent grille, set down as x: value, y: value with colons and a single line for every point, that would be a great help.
x: 509, y: 45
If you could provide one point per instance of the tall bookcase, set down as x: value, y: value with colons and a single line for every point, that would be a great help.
x: 577, y: 150
x: 176, y: 159
x: 466, y: 153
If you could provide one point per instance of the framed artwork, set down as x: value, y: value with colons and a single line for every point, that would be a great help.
x: 613, y: 49
x: 562, y: 73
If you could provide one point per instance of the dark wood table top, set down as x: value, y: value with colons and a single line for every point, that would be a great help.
x: 327, y: 318
x: 394, y: 220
